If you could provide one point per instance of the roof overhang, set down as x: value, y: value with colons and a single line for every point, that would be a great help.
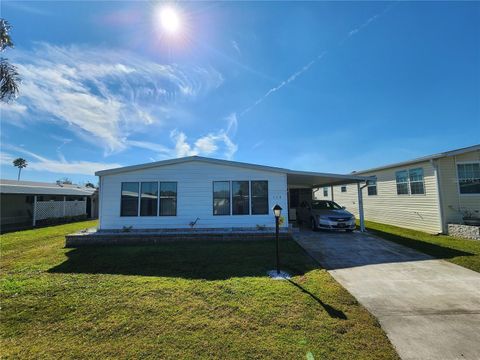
x: 294, y: 178
x: 312, y: 179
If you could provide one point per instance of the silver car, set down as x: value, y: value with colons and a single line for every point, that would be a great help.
x: 325, y: 214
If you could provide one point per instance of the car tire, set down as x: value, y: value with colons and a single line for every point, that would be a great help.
x: 313, y: 224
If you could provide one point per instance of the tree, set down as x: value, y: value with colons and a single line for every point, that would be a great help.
x: 65, y: 180
x: 9, y: 77
x: 20, y: 164
x: 90, y: 185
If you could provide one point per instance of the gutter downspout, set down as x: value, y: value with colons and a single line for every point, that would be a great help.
x: 439, y: 195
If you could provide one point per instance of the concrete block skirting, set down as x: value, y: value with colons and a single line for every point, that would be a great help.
x: 152, y: 238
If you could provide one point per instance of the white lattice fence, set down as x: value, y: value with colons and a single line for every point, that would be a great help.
x: 56, y: 209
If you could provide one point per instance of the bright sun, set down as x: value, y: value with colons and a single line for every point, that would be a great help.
x: 169, y: 20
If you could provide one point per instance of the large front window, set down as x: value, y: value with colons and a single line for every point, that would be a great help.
x: 129, y: 202
x: 259, y: 197
x: 168, y: 199
x: 221, y: 198
x: 149, y: 199
x: 469, y: 178
x: 240, y: 198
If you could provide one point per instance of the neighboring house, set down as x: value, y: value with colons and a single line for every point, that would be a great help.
x: 424, y: 194
x: 24, y: 204
x: 197, y: 192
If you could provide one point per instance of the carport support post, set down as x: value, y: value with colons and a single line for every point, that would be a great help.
x: 360, y: 207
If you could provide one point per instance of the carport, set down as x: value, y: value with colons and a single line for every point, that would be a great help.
x: 303, y: 183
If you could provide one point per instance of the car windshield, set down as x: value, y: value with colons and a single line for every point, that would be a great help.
x: 325, y: 205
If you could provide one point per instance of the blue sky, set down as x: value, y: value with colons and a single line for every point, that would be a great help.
x: 320, y: 86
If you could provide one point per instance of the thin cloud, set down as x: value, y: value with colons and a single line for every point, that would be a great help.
x: 61, y: 166
x: 236, y: 47
x: 104, y: 95
x: 306, y: 67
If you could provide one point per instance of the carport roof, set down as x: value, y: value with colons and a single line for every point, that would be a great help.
x: 41, y: 188
x: 294, y: 178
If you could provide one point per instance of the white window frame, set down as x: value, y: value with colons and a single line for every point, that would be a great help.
x: 408, y: 182
x: 458, y: 178
x: 423, y: 182
x: 375, y: 186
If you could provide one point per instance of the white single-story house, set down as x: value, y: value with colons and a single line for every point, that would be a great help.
x: 426, y: 193
x: 204, y: 193
x: 26, y: 204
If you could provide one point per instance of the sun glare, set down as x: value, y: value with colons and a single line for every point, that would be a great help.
x: 169, y: 20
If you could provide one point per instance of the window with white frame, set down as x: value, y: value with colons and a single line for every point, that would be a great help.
x: 245, y: 197
x: 343, y: 189
x: 469, y: 178
x: 410, y: 182
x: 325, y: 191
x: 416, y: 181
x: 372, y: 187
x: 402, y: 182
x: 143, y: 198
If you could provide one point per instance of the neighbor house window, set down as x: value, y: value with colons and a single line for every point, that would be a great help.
x: 148, y: 199
x: 416, y: 181
x: 129, y: 202
x: 259, y: 197
x: 325, y: 191
x: 469, y: 178
x: 343, y: 189
x: 240, y: 198
x: 168, y: 199
x: 221, y: 198
x: 402, y: 182
x: 372, y: 187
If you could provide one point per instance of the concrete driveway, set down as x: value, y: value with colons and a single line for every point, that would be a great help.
x: 430, y: 309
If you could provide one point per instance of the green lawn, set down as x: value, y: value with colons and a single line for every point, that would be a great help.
x: 458, y: 251
x: 179, y: 301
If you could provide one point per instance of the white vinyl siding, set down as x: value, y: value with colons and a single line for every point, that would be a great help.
x: 409, y: 211
x: 453, y: 202
x: 194, y: 181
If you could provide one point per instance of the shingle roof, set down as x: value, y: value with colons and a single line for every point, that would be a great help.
x: 42, y: 188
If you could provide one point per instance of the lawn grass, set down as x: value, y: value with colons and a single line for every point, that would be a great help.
x: 179, y: 300
x: 458, y: 251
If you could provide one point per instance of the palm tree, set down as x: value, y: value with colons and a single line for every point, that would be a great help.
x: 20, y: 163
x: 9, y: 77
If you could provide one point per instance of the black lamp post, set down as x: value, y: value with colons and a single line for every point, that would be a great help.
x: 277, y: 211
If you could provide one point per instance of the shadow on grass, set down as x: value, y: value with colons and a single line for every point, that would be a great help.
x: 216, y: 260
x: 436, y: 251
x: 334, y: 313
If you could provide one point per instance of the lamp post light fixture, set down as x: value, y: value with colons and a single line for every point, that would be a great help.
x: 277, y: 210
